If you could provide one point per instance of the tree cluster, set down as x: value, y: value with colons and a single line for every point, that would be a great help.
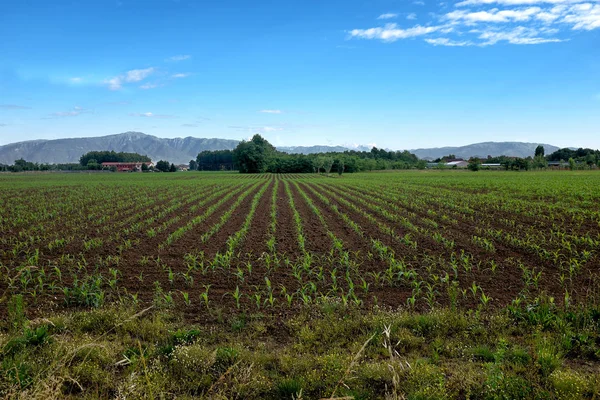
x: 94, y: 159
x: 580, y: 157
x: 164, y: 166
x: 22, y: 165
x: 220, y: 160
x: 258, y: 155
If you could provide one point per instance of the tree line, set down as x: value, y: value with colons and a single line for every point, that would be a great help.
x: 94, y: 159
x: 566, y: 158
x: 258, y: 155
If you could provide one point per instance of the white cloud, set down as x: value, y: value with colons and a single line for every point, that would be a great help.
x: 76, y: 80
x: 189, y: 125
x: 147, y: 86
x: 448, y: 42
x: 180, y: 75
x: 134, y: 75
x: 271, y: 111
x: 387, y: 16
x: 391, y: 33
x: 583, y: 16
x: 519, y: 35
x: 510, y: 21
x: 513, y: 2
x: 419, y: 3
x: 493, y: 15
x: 151, y: 115
x: 179, y: 58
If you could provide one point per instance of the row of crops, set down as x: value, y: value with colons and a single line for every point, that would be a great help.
x: 417, y: 240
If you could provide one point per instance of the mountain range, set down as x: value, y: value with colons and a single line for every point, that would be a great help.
x: 182, y: 150
x: 482, y: 150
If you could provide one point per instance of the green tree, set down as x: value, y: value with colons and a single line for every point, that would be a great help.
x: 590, y: 160
x: 145, y: 167
x: 163, y: 166
x: 539, y: 162
x: 172, y: 168
x: 254, y: 156
x: 93, y: 164
x: 474, y: 164
x: 340, y: 166
x: 327, y: 164
x: 539, y: 151
x: 571, y: 164
x: 193, y: 165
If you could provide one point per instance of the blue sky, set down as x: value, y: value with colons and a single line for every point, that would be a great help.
x: 397, y: 74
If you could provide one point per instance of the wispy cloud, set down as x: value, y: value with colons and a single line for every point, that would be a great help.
x: 14, y: 107
x: 493, y: 15
x: 189, y: 125
x: 151, y: 115
x: 71, y: 113
x: 513, y: 2
x: 388, y: 16
x: 519, y: 35
x: 518, y: 22
x: 419, y: 3
x: 271, y: 111
x: 411, y: 16
x: 180, y: 75
x: 182, y: 57
x: 76, y: 80
x: 391, y: 32
x: 448, y: 42
x: 3, y: 125
x: 132, y: 76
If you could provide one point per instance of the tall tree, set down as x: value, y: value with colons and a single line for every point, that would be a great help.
x: 539, y: 151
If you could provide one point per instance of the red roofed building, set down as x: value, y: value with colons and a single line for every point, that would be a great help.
x: 125, y: 166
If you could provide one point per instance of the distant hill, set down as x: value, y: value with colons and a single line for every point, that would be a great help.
x: 178, y: 150
x: 182, y: 150
x: 319, y: 149
x: 482, y: 150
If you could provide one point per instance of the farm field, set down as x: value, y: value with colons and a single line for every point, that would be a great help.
x: 266, y: 259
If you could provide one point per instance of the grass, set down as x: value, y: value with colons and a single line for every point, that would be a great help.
x: 322, y: 352
x: 461, y: 286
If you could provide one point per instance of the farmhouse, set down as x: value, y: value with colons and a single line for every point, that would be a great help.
x: 125, y: 166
